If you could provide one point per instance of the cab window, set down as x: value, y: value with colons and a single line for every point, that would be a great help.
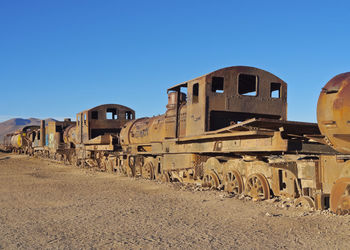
x: 247, y: 85
x: 195, y: 93
x: 111, y: 114
x: 217, y: 85
x: 275, y: 90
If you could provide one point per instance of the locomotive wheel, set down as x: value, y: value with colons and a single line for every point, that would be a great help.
x: 343, y: 205
x: 233, y: 182
x: 123, y: 170
x: 257, y: 187
x: 148, y: 171
x: 73, y: 159
x: 165, y: 177
x: 65, y: 160
x: 210, y: 179
x: 59, y: 157
x: 103, y: 164
x: 138, y: 170
x: 129, y: 172
x: 131, y: 160
x: 157, y: 170
x: 305, y: 202
x: 126, y: 171
x: 340, y: 196
x: 110, y: 165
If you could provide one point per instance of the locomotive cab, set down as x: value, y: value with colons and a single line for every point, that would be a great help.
x: 225, y: 97
x: 102, y: 120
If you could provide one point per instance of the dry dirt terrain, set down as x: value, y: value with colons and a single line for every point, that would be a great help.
x: 49, y: 205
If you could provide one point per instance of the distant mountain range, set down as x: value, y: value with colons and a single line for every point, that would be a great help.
x: 14, y: 124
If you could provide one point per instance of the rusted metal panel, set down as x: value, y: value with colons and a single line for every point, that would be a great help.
x: 145, y: 130
x: 100, y: 147
x: 54, y: 135
x: 333, y: 112
x: 101, y: 139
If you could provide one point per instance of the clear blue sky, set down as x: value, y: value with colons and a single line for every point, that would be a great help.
x: 60, y: 57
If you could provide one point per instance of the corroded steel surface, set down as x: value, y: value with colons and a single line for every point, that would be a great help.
x: 340, y: 196
x: 333, y: 112
x: 144, y: 131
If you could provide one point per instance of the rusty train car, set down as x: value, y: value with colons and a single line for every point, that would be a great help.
x: 96, y: 136
x: 21, y: 140
x: 229, y: 129
x: 92, y: 140
x: 226, y: 130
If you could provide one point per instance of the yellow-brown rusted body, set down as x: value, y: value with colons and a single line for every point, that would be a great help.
x: 231, y: 132
x: 333, y: 112
x: 21, y: 140
x: 144, y: 131
x: 96, y: 134
x: 333, y: 116
x: 54, y: 135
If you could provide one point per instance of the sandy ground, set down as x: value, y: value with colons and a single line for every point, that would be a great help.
x: 49, y: 205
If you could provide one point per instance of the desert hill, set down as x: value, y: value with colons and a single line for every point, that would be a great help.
x: 14, y: 124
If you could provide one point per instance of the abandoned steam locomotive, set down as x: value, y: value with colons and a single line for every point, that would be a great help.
x: 227, y: 129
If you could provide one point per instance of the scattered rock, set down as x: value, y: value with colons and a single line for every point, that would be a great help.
x: 241, y: 197
x: 227, y: 195
x: 304, y: 214
x: 272, y: 215
x: 273, y: 200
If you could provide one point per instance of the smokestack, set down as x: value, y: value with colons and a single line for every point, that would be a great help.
x: 42, y: 133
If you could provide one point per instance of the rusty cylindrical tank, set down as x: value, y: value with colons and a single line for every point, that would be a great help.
x: 16, y: 141
x: 143, y: 131
x: 333, y: 112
